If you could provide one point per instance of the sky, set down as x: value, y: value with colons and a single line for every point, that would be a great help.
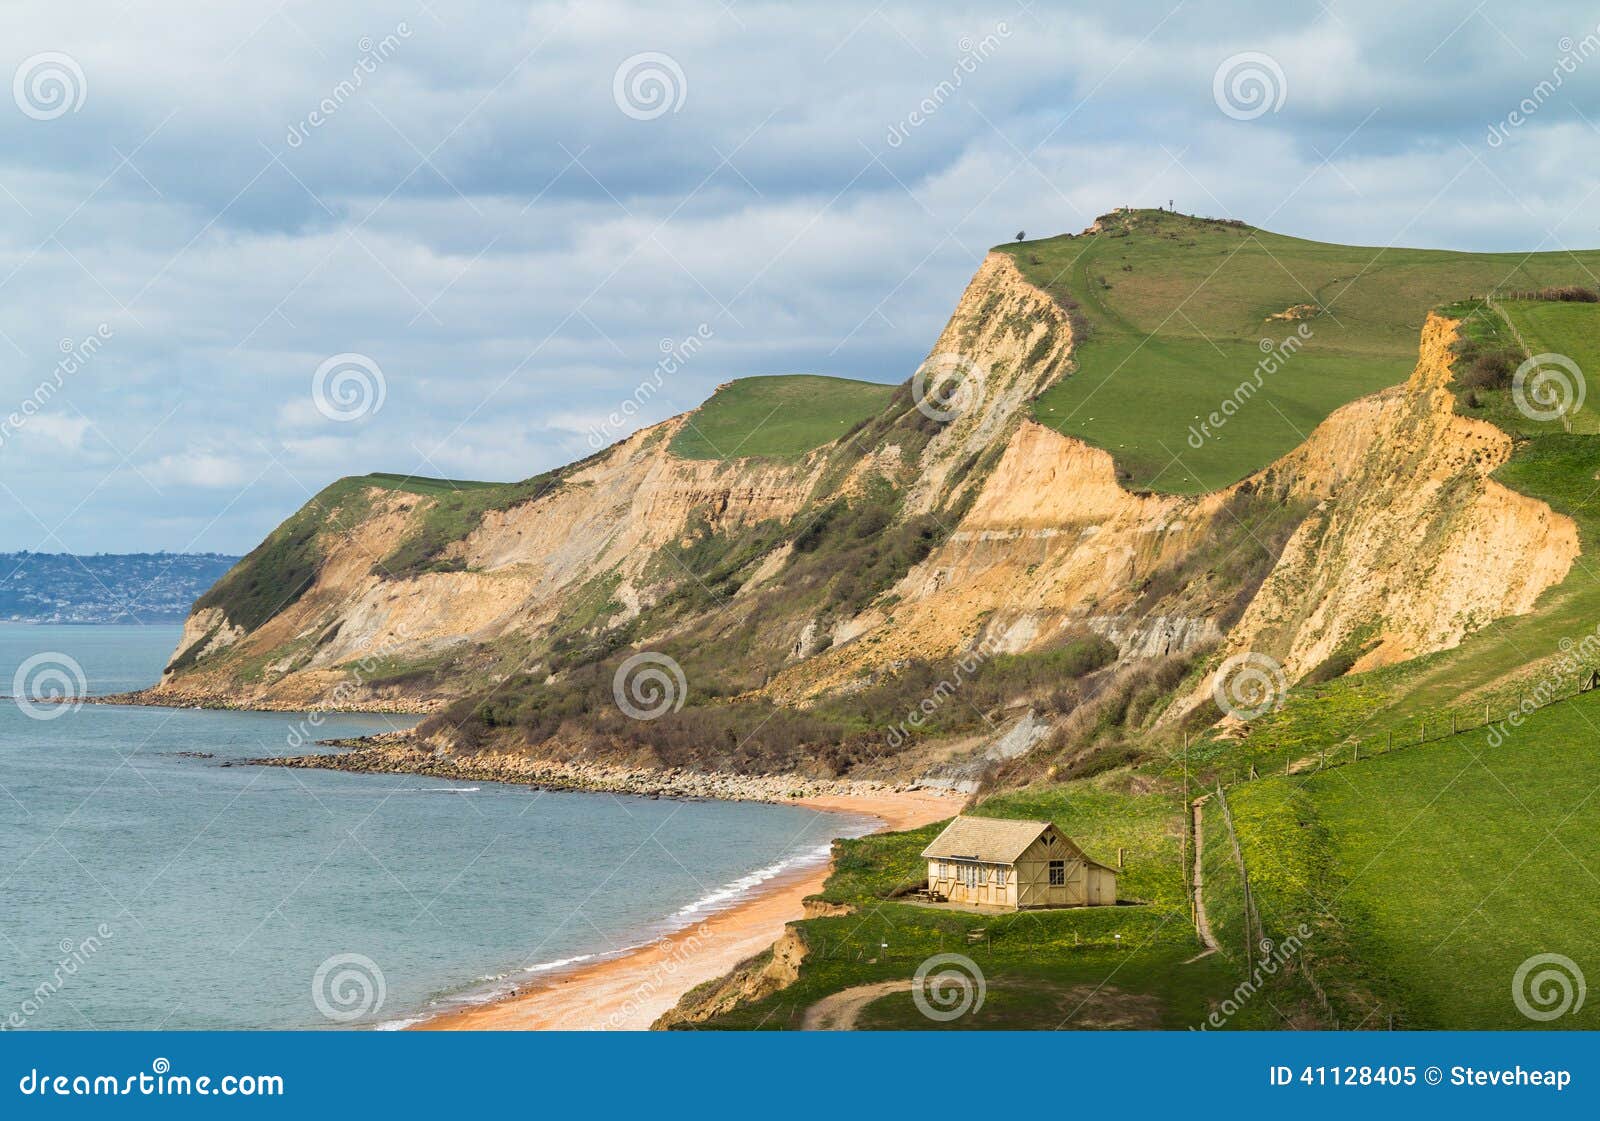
x: 249, y: 248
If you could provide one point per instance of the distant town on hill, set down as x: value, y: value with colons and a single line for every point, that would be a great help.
x: 105, y: 588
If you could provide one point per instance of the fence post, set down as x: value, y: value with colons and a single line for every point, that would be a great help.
x: 1252, y: 920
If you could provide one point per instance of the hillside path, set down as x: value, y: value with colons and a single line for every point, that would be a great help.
x: 839, y: 1011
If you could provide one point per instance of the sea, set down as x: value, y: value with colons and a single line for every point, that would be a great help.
x: 151, y: 878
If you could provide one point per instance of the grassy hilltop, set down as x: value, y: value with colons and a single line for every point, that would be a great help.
x: 778, y: 417
x: 1177, y: 308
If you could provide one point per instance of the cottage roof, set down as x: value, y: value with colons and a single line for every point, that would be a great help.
x: 989, y: 839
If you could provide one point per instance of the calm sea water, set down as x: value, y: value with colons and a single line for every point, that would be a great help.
x: 145, y: 884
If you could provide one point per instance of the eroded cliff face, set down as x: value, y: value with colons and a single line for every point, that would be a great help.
x: 1419, y: 546
x: 1392, y: 536
x: 606, y: 521
x: 1406, y: 543
x: 1013, y: 341
x: 601, y: 533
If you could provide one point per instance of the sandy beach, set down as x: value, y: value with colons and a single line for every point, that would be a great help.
x: 630, y: 991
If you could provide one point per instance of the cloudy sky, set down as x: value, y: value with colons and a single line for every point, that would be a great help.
x: 250, y: 248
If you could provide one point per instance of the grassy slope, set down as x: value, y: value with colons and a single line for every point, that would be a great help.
x: 1440, y: 868
x: 1571, y: 329
x: 422, y: 484
x: 1456, y: 862
x: 778, y: 416
x: 1177, y: 309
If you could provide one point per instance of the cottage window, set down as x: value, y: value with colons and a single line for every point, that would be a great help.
x: 944, y: 870
x: 1058, y: 873
x: 1000, y: 876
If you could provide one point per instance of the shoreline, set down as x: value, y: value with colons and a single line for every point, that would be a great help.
x: 400, y: 753
x: 633, y: 988
x: 147, y: 698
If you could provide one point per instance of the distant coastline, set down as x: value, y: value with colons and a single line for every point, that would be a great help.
x: 105, y: 588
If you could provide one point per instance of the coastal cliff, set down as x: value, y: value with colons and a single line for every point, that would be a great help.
x: 794, y: 612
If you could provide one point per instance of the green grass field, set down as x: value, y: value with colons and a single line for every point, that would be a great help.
x: 1178, y: 309
x: 1451, y: 864
x: 1570, y: 329
x: 421, y: 484
x: 778, y: 416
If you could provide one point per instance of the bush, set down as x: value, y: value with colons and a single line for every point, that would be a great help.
x: 1488, y: 369
x: 1570, y: 293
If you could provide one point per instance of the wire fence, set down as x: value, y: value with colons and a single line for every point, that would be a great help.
x: 1434, y: 727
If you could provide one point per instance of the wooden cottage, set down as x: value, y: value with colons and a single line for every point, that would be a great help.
x: 1016, y: 865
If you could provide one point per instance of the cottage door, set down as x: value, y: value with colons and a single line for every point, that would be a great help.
x: 1077, y: 882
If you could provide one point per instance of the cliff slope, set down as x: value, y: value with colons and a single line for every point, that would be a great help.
x: 795, y: 614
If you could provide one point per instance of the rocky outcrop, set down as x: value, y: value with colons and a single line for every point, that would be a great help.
x: 401, y: 754
x: 1010, y: 341
x: 751, y: 980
